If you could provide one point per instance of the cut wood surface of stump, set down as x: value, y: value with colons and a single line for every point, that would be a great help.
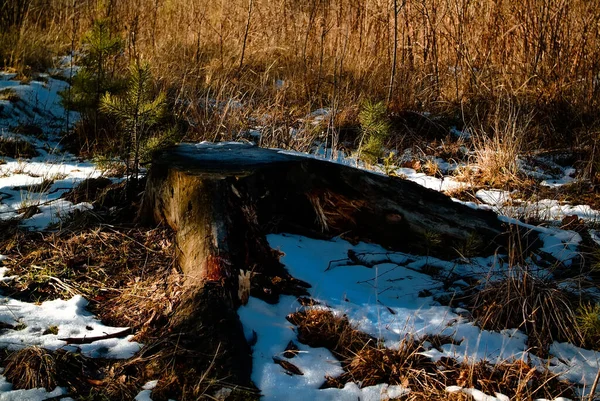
x: 222, y: 199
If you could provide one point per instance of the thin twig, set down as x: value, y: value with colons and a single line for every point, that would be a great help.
x: 89, y: 340
x: 594, y: 385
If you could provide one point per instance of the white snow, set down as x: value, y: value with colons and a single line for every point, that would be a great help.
x: 382, y: 301
x: 574, y: 364
x: 71, y: 319
x: 567, y: 178
x: 503, y: 203
x: 146, y: 392
x: 36, y: 394
x: 464, y: 134
x: 39, y: 104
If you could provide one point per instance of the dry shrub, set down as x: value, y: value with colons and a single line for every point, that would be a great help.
x: 535, y: 305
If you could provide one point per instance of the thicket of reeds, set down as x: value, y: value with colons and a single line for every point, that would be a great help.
x: 283, y: 58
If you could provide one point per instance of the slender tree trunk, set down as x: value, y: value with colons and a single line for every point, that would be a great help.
x: 250, y: 4
x: 394, y: 54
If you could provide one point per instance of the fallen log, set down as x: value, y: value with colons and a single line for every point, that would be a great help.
x: 222, y: 199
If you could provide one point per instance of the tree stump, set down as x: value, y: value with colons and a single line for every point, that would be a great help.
x: 222, y: 199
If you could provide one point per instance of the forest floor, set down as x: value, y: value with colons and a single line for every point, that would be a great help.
x: 79, y: 278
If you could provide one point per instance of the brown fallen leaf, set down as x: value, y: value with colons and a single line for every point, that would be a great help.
x: 291, y: 350
x: 290, y: 368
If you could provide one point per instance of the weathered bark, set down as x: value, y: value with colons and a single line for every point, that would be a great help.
x: 222, y: 200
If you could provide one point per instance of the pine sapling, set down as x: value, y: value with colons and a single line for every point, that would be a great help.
x: 137, y: 111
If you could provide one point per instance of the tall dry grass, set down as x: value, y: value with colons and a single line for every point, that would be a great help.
x: 293, y: 56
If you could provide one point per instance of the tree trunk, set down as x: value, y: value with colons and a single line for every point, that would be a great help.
x: 222, y: 199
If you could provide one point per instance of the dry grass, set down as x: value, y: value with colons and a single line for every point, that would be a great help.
x: 498, y: 148
x: 128, y: 267
x: 35, y: 367
x: 515, y: 379
x: 322, y: 328
x: 363, y: 360
x: 32, y: 367
x: 539, y: 307
x: 129, y: 276
x: 30, y: 48
x: 579, y: 192
x: 333, y: 210
x: 89, y: 190
x: 16, y: 148
x: 10, y: 95
x: 367, y: 363
x: 43, y: 186
x: 405, y: 366
x: 301, y: 56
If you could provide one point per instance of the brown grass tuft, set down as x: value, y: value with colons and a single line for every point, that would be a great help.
x: 32, y: 367
x: 499, y: 145
x: 405, y: 366
x: 322, y: 328
x: 35, y: 367
x: 539, y: 307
